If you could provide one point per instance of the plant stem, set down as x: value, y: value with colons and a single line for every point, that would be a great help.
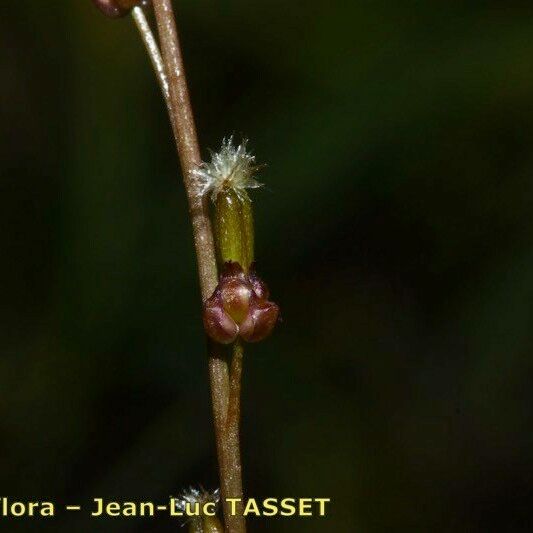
x: 186, y: 139
x: 152, y: 48
x: 227, y: 423
x: 187, y: 145
x: 234, y: 403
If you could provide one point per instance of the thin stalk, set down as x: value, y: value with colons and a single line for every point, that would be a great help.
x: 139, y: 16
x: 186, y: 139
x: 233, y: 428
x: 234, y: 404
x: 187, y: 145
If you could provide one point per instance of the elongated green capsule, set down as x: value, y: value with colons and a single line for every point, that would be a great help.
x: 234, y: 228
x: 247, y: 222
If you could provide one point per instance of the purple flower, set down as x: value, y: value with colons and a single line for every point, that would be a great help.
x: 239, y: 307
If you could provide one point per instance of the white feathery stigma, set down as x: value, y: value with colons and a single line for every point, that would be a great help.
x: 194, y: 498
x: 231, y: 168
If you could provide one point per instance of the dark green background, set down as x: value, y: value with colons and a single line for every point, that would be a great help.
x: 395, y: 231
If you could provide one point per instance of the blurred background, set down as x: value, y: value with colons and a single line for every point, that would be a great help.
x: 395, y: 230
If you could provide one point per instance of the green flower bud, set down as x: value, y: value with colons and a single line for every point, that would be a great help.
x: 208, y: 524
